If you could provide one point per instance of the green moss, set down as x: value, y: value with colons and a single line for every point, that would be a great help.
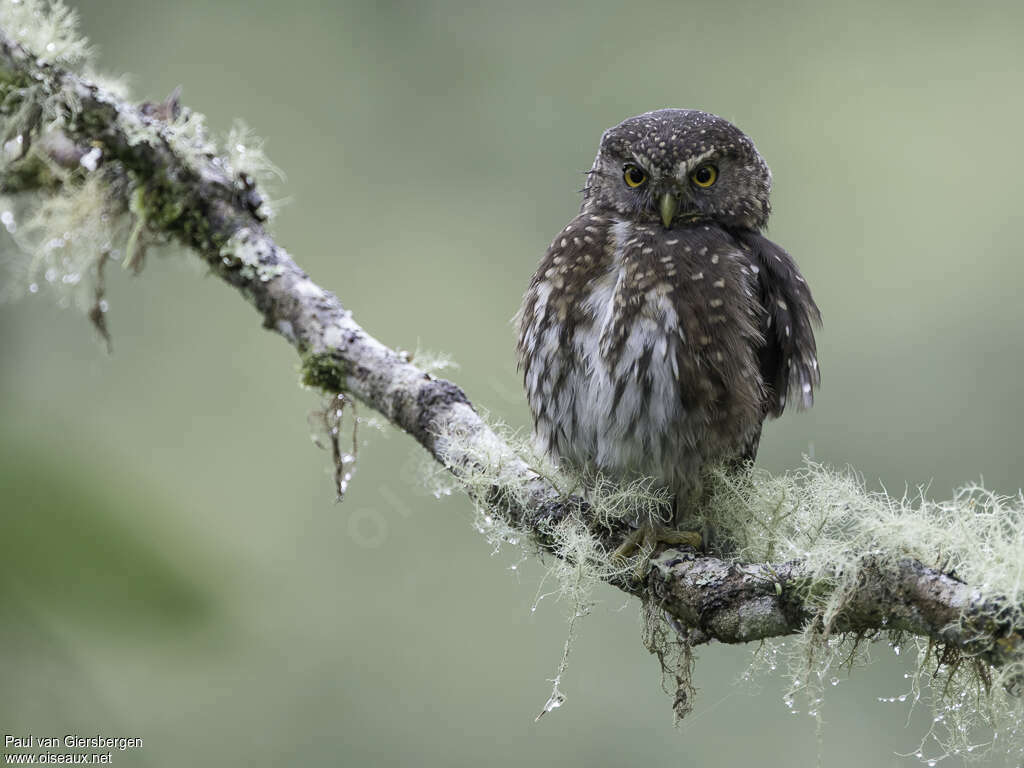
x: 164, y: 207
x: 29, y: 175
x: 323, y: 371
x: 162, y: 210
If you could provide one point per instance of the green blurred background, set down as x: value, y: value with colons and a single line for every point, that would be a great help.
x: 172, y: 562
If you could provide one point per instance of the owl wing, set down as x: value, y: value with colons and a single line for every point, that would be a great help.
x: 789, y: 358
x: 552, y: 309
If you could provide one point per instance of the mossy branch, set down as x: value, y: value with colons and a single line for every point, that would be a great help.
x: 164, y: 180
x: 193, y: 200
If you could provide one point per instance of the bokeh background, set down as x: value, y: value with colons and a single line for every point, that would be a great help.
x: 173, y: 564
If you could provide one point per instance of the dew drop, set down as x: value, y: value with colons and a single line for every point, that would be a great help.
x: 556, y: 700
x: 90, y: 160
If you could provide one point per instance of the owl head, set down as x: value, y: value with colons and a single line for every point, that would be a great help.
x: 679, y: 166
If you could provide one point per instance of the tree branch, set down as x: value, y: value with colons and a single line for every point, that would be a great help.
x: 192, y: 198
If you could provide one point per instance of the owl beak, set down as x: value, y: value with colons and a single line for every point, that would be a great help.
x: 668, y: 206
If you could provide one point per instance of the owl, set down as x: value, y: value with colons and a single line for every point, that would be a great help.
x: 662, y: 327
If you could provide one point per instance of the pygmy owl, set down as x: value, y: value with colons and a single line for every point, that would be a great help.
x: 661, y: 327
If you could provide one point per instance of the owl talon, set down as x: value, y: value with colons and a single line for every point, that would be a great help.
x: 680, y: 538
x: 646, y: 538
x: 629, y: 545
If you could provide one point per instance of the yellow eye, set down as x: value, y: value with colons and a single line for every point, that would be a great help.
x: 704, y: 176
x: 634, y: 176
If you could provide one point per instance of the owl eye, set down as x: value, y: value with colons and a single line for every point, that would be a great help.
x: 633, y: 176
x: 704, y: 176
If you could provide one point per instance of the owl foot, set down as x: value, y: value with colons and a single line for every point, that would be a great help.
x: 646, y: 539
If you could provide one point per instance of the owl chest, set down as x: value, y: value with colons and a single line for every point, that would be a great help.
x: 615, y: 400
